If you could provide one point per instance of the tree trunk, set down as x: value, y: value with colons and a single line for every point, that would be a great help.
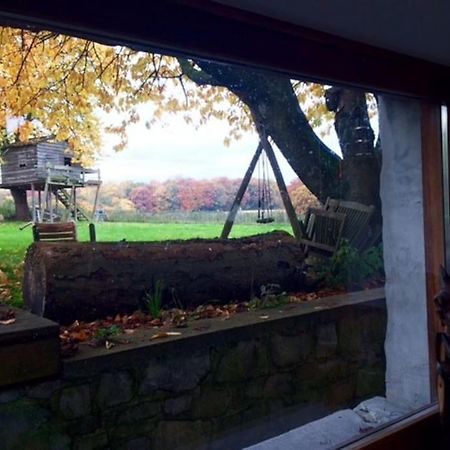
x: 19, y: 196
x: 85, y: 281
x: 360, y: 165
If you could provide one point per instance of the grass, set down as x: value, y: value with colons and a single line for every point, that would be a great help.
x: 14, y: 243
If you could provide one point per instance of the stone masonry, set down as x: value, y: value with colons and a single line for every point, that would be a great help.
x: 187, y: 393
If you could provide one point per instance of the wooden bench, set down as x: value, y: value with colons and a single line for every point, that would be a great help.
x: 357, y: 220
x: 324, y: 228
x: 322, y: 232
x: 54, y: 232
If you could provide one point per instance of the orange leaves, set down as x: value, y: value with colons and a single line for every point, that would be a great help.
x: 5, y: 291
x: 301, y: 197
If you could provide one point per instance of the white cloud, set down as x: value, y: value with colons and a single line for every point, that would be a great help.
x: 178, y: 149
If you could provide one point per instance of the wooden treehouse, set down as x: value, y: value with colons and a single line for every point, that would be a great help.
x: 46, y: 170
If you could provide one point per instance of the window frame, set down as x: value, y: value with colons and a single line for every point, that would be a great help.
x: 285, y: 48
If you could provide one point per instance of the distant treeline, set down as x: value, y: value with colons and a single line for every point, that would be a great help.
x: 184, y: 195
x: 216, y: 194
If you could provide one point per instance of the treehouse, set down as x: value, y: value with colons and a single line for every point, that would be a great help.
x: 47, y: 170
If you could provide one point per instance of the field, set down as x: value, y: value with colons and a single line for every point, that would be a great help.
x: 14, y: 242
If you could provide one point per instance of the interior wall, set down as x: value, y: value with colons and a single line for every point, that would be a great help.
x: 406, y: 346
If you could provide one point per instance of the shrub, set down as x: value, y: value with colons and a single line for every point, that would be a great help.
x: 350, y: 267
x: 7, y: 209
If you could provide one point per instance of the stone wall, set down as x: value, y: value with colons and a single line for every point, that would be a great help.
x: 184, y: 393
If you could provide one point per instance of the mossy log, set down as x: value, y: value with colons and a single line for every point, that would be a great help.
x: 86, y: 281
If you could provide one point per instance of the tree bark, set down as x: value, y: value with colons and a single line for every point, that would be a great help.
x: 19, y: 196
x: 360, y: 165
x: 86, y: 281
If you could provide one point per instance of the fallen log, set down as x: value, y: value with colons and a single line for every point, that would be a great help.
x: 87, y: 281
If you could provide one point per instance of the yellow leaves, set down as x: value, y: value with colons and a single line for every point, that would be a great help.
x: 61, y: 82
x: 311, y: 97
x: 25, y: 130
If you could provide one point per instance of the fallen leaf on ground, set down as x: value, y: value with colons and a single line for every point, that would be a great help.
x: 80, y: 336
x: 109, y: 345
x: 7, y: 322
x: 7, y: 317
x: 165, y: 334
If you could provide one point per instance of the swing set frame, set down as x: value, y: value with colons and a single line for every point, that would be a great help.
x: 263, y: 146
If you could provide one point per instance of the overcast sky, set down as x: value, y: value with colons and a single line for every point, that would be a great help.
x: 177, y: 149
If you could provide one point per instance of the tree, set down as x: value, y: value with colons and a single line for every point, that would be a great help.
x: 274, y: 105
x: 143, y: 198
x: 57, y: 83
x: 301, y: 197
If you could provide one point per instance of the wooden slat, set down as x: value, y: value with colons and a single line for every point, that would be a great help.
x: 324, y: 230
x: 318, y: 245
x: 48, y: 236
x: 55, y: 227
x: 433, y: 220
x: 357, y: 220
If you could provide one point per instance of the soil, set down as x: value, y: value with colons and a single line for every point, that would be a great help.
x: 140, y: 327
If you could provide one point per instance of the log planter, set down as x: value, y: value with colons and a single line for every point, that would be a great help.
x: 87, y: 281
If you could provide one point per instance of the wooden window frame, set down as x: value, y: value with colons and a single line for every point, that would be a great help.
x: 180, y: 27
x: 236, y: 36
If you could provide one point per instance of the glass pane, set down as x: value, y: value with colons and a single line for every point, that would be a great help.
x: 255, y: 277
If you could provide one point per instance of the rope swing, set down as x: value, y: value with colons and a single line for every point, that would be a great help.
x: 265, y: 206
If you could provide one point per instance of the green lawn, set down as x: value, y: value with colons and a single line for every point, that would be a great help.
x: 13, y: 242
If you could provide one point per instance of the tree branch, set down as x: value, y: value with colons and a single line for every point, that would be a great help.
x: 199, y: 77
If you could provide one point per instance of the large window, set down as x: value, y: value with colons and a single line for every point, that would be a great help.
x: 325, y: 179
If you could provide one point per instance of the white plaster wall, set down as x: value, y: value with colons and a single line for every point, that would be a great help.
x: 407, y: 374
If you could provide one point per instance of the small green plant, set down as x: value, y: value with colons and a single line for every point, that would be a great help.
x: 107, y: 333
x: 153, y: 300
x: 350, y: 267
x: 271, y: 301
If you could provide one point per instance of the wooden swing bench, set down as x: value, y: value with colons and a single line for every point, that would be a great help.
x: 323, y: 229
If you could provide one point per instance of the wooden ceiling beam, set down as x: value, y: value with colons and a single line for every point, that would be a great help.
x: 203, y: 28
